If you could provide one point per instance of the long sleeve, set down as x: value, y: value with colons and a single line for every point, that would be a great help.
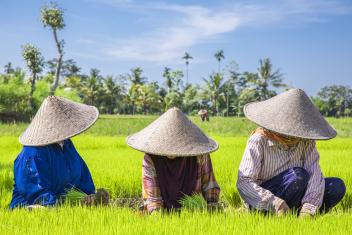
x: 210, y: 188
x: 150, y: 187
x: 32, y: 179
x: 86, y: 184
x: 247, y: 182
x: 313, y: 198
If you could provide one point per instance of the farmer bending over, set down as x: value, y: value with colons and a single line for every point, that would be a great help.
x: 176, y: 162
x: 280, y: 167
x: 49, y: 164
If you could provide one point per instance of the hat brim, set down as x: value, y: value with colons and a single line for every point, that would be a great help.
x: 250, y: 111
x: 189, y: 150
x: 91, y: 111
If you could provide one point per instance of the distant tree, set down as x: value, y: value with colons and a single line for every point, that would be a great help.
x: 168, y: 78
x: 136, y: 76
x: 219, y: 55
x: 334, y: 101
x: 35, y: 64
x: 148, y: 97
x: 187, y: 57
x: 173, y: 96
x: 92, y: 88
x: 246, y: 96
x: 131, y: 97
x: 190, y: 101
x: 8, y: 69
x: 68, y: 68
x: 214, y: 90
x: 268, y: 78
x: 112, y: 93
x: 173, y: 99
x: 53, y: 16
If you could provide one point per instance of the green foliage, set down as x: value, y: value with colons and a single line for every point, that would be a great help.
x: 224, y: 94
x: 13, y: 96
x: 334, y: 101
x: 33, y: 57
x: 52, y: 16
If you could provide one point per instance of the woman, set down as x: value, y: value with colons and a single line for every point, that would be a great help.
x: 49, y: 164
x: 280, y: 167
x: 176, y: 162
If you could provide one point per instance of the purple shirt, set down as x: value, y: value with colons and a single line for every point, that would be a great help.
x: 263, y: 159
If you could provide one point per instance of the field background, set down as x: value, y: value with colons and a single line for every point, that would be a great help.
x: 117, y: 167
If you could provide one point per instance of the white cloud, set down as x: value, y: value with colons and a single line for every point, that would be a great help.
x: 196, y: 24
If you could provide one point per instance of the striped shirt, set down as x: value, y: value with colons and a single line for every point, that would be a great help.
x: 206, y: 183
x: 263, y: 159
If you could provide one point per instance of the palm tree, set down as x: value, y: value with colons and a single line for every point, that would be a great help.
x: 132, y: 96
x: 136, y: 76
x: 267, y: 77
x: 112, y: 93
x: 91, y: 88
x: 8, y: 68
x: 219, y: 55
x: 187, y: 57
x: 147, y: 97
x: 167, y: 76
x: 213, y: 89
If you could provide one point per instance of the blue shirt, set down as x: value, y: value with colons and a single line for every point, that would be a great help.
x: 43, y: 174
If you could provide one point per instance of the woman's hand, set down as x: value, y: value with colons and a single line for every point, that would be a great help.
x: 89, y: 200
x: 281, y: 207
x: 101, y: 197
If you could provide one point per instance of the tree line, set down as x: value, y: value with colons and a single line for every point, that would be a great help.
x: 223, y: 92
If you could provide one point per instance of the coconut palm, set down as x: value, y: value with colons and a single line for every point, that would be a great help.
x: 8, y: 69
x: 112, y: 93
x: 167, y: 76
x: 266, y: 77
x: 136, y: 76
x: 219, y: 55
x: 214, y: 90
x: 187, y: 57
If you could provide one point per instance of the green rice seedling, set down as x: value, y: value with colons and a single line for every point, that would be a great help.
x: 74, y: 196
x: 193, y: 202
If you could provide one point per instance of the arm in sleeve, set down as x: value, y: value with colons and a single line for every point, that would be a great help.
x: 210, y: 188
x: 150, y: 186
x: 34, y: 181
x: 247, y: 185
x: 86, y: 183
x: 313, y: 198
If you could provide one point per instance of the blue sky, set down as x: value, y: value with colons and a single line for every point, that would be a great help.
x: 309, y: 40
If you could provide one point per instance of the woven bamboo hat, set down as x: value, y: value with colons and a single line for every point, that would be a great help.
x: 291, y: 113
x: 172, y: 135
x: 58, y: 119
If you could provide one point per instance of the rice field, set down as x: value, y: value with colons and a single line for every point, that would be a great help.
x: 117, y: 167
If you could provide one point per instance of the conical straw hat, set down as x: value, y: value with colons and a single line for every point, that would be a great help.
x: 58, y: 119
x: 291, y: 113
x: 172, y: 134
